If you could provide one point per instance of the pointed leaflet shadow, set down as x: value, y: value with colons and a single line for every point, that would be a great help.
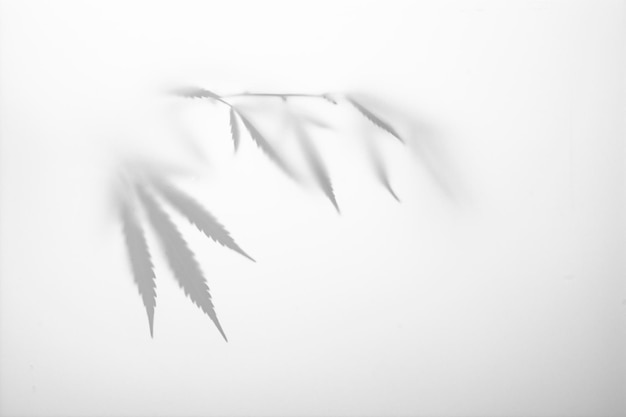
x: 234, y: 128
x: 316, y: 164
x: 234, y: 114
x: 376, y: 120
x: 380, y: 170
x: 426, y: 143
x: 198, y: 216
x: 179, y: 257
x: 265, y: 146
x: 312, y: 156
x: 140, y: 260
x: 136, y: 186
x: 378, y: 164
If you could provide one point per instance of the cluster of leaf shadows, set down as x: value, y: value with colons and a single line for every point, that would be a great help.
x: 149, y: 194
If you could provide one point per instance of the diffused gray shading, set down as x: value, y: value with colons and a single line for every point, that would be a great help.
x: 180, y: 258
x: 198, y: 216
x: 380, y: 171
x: 427, y: 145
x: 329, y: 98
x: 140, y: 261
x: 185, y: 135
x: 374, y: 119
x: 315, y: 122
x: 320, y: 172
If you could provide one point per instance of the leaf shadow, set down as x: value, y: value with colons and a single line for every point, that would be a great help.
x: 315, y: 163
x: 179, y: 256
x: 143, y: 188
x: 272, y: 153
x: 139, y: 257
x: 197, y: 215
x: 428, y: 145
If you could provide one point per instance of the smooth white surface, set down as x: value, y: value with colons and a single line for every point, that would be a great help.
x: 503, y: 296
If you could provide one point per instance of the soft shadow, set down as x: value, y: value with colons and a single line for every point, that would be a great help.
x: 265, y: 146
x: 426, y: 143
x: 180, y: 258
x: 197, y: 215
x: 315, y: 163
x: 139, y: 257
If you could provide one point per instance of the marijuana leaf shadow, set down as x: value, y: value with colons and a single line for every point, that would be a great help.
x: 299, y: 124
x: 145, y: 190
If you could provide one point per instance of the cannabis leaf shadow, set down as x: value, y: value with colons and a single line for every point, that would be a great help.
x: 145, y: 191
x: 140, y: 259
x: 299, y: 124
x: 149, y: 192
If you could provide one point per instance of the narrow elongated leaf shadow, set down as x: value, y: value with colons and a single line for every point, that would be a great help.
x: 265, y: 146
x: 198, y: 216
x: 180, y: 258
x: 427, y: 144
x: 234, y: 128
x: 378, y: 165
x: 140, y: 260
x: 316, y: 164
x: 380, y: 169
x: 376, y: 120
x: 151, y: 187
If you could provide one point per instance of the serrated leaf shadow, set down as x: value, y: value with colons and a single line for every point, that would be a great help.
x: 316, y: 164
x: 140, y: 259
x: 265, y: 146
x: 234, y: 128
x: 375, y: 119
x: 142, y: 186
x: 152, y: 190
x: 198, y: 216
x: 427, y: 143
x: 180, y: 258
x: 380, y: 168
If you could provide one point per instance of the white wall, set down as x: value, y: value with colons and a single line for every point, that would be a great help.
x: 496, y: 287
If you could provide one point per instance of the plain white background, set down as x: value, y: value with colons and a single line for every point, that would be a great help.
x: 496, y: 287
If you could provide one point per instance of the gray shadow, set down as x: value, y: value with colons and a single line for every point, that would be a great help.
x: 139, y: 257
x: 197, y: 215
x: 315, y: 162
x: 379, y: 166
x: 143, y: 189
x: 180, y: 258
x: 426, y: 143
